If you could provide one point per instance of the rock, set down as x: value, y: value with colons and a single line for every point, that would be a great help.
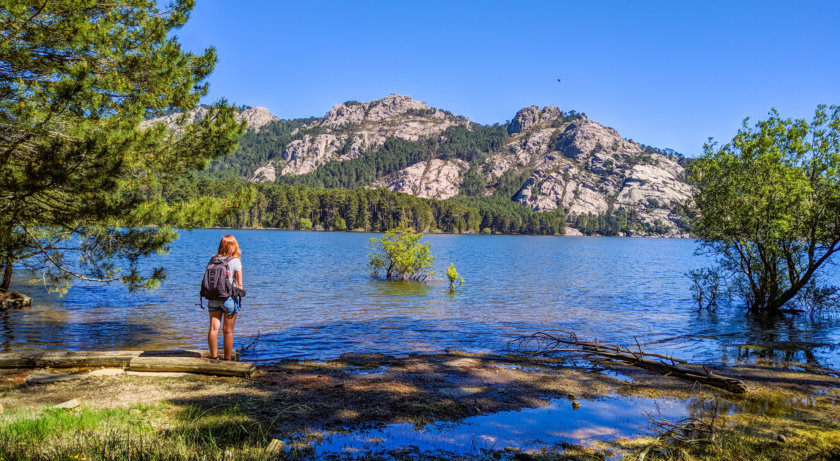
x: 275, y: 448
x: 572, y: 232
x: 69, y: 405
x: 257, y: 117
x: 781, y: 438
x: 530, y: 116
x: 351, y: 128
x: 437, y: 179
x: 304, y: 155
x: 13, y: 300
x: 583, y: 167
x: 357, y: 358
x: 575, y: 404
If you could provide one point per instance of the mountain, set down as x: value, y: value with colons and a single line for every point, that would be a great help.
x: 257, y: 117
x: 544, y: 159
x: 350, y: 129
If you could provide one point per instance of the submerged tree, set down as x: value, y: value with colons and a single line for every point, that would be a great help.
x: 79, y: 171
x: 453, y: 276
x: 769, y: 205
x: 399, y: 254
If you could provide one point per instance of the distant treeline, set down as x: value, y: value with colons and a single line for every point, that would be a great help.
x: 284, y: 206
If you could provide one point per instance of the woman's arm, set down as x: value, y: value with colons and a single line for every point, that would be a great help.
x: 238, y: 279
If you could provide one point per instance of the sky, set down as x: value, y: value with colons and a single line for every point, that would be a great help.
x: 669, y: 74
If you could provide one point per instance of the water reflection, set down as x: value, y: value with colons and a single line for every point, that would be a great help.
x: 310, y: 296
x: 527, y: 430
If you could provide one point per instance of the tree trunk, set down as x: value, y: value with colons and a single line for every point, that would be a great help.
x: 7, y: 274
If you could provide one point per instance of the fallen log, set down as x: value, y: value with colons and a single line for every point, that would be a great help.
x: 545, y: 343
x: 192, y: 365
x: 89, y: 359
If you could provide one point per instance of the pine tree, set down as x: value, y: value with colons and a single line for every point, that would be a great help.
x: 79, y: 171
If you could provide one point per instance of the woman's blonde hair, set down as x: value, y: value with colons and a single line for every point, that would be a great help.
x: 229, y: 247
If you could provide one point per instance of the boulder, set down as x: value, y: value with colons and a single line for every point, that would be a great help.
x: 12, y: 299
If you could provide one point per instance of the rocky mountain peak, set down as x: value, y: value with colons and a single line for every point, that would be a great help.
x: 583, y: 138
x: 352, y: 128
x: 257, y: 117
x: 532, y: 116
x: 378, y: 111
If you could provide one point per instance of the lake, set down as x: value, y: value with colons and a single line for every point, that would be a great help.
x: 310, y: 296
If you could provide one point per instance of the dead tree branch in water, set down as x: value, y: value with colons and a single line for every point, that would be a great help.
x: 686, y: 431
x: 542, y: 343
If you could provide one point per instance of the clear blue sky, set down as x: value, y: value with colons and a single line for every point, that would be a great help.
x: 665, y: 73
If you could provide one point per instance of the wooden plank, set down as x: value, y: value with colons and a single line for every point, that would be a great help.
x: 186, y: 353
x: 83, y: 359
x: 89, y: 359
x: 17, y: 360
x: 192, y: 365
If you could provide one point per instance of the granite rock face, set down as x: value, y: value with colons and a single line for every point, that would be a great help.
x: 257, y: 117
x: 436, y: 178
x: 532, y: 116
x: 351, y: 128
x: 566, y: 161
x: 584, y: 167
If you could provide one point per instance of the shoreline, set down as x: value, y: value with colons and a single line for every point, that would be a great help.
x: 306, y: 404
x: 359, y: 231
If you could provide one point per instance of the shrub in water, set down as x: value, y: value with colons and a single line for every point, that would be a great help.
x: 453, y: 276
x: 400, y: 255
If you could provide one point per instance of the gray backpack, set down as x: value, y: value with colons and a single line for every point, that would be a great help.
x: 216, y: 282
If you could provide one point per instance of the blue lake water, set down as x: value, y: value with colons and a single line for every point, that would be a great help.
x: 310, y: 296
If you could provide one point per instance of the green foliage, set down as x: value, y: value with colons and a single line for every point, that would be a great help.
x: 486, y: 231
x: 511, y: 182
x: 615, y: 222
x: 339, y: 224
x: 399, y: 254
x: 305, y: 224
x: 474, y: 183
x: 78, y: 174
x: 503, y: 216
x: 769, y: 205
x: 453, y: 276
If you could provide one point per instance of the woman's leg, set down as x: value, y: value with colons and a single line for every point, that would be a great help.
x: 213, y: 333
x: 227, y: 330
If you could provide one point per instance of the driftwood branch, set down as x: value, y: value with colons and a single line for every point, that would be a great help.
x: 541, y: 343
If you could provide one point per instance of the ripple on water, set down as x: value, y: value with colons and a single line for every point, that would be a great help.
x: 309, y: 296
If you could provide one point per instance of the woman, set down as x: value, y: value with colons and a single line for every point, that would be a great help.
x: 228, y: 248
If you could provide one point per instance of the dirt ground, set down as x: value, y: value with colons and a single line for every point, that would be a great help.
x: 367, y: 390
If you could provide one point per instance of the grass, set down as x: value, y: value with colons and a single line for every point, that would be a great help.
x: 769, y: 425
x: 136, y: 433
x: 234, y: 419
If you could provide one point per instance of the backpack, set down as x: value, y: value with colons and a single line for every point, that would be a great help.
x: 216, y: 282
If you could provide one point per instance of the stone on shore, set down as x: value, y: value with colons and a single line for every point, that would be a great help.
x: 13, y: 299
